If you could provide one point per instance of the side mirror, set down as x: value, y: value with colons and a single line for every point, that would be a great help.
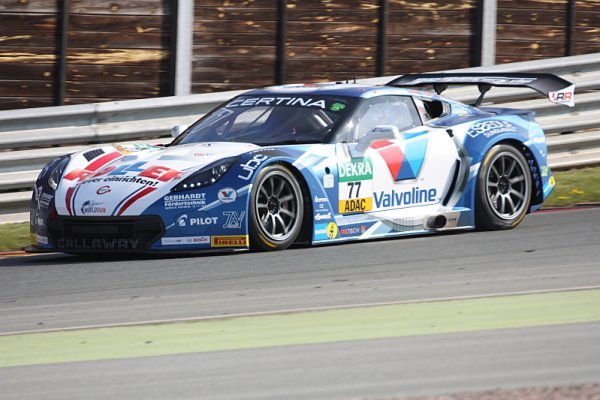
x: 380, y: 132
x: 178, y: 130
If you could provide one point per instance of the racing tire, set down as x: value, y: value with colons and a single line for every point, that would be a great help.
x: 503, y: 189
x: 276, y: 209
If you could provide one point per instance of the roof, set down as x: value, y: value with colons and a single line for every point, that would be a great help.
x: 332, y: 89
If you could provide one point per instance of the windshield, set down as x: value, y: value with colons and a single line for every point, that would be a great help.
x: 270, y: 120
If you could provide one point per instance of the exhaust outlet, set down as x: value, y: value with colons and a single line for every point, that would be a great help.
x: 437, y: 222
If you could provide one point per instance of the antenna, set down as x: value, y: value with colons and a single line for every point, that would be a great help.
x: 354, y: 78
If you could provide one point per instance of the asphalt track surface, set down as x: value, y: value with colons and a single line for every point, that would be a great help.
x: 548, y: 252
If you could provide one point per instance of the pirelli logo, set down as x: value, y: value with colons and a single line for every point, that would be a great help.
x: 229, y: 241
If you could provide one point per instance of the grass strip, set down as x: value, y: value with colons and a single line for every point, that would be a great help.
x: 310, y: 327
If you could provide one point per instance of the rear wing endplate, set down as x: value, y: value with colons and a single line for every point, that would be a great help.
x: 557, y: 90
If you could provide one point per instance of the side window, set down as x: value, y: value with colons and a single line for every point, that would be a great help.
x: 431, y: 109
x: 399, y: 111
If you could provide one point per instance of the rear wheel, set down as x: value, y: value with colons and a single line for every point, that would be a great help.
x: 276, y: 209
x: 503, y: 189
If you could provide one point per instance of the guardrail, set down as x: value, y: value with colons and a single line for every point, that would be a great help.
x: 29, y: 137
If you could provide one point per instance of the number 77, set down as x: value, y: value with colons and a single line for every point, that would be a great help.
x: 352, y: 185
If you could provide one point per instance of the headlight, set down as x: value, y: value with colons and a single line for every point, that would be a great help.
x: 206, y: 176
x: 57, y: 172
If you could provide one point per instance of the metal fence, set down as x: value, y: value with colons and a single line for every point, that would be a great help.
x: 29, y: 138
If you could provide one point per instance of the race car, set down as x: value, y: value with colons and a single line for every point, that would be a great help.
x: 311, y: 164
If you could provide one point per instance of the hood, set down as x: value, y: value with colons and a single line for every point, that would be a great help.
x: 124, y: 180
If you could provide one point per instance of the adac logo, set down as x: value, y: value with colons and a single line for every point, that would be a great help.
x: 403, y: 165
x: 227, y: 195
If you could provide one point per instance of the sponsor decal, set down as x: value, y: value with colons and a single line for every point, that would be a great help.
x: 564, y: 96
x: 332, y: 230
x: 43, y: 199
x: 403, y: 165
x: 358, y: 169
x: 544, y: 170
x: 183, y: 240
x: 185, y: 200
x: 358, y: 205
x: 91, y: 206
x: 337, y: 107
x: 552, y: 182
x: 195, y: 222
x: 328, y: 181
x: 277, y: 101
x: 149, y: 176
x: 322, y: 208
x: 353, y: 230
x: 319, y: 216
x: 400, y: 199
x: 329, y: 231
x: 228, y: 241
x: 98, y: 244
x: 103, y: 190
x: 234, y: 220
x: 356, y: 180
x: 227, y: 195
x: 129, y: 149
x: 251, y: 165
x: 91, y: 168
x: 491, y: 128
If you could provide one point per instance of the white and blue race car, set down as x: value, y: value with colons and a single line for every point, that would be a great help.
x: 307, y: 164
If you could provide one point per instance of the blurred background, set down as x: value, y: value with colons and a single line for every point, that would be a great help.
x: 55, y: 52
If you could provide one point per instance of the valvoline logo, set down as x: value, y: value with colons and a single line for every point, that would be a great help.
x: 227, y: 195
x: 403, y: 165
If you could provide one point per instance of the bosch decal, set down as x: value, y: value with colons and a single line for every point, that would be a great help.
x: 185, y: 240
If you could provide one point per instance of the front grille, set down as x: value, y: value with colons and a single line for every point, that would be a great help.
x: 113, y: 234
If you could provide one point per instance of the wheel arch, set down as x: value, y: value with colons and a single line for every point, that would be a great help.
x: 306, y: 231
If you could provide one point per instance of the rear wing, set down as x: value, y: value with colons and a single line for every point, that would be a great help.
x: 557, y: 90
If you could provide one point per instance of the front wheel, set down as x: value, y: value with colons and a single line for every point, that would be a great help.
x: 503, y: 189
x: 276, y: 209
